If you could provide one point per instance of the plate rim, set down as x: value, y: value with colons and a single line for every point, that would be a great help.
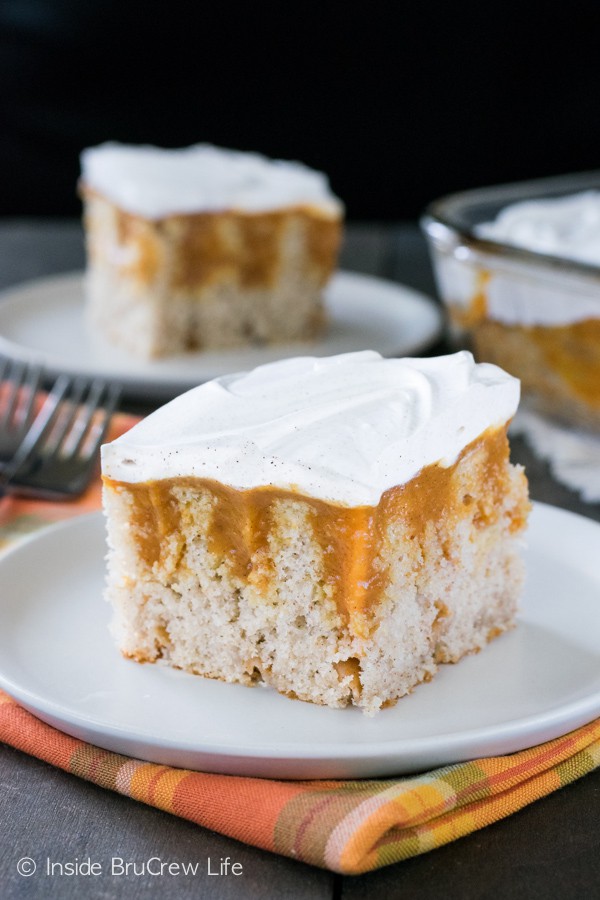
x: 162, y: 385
x: 516, y: 734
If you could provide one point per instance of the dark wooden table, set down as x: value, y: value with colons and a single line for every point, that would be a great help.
x: 548, y: 850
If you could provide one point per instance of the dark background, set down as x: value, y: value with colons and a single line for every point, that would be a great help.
x: 397, y: 102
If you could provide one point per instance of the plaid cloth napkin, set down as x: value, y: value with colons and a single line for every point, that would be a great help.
x: 345, y: 826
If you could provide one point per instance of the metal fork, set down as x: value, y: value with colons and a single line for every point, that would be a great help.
x: 20, y: 384
x: 57, y: 457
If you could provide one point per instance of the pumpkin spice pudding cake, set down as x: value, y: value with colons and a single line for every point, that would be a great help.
x: 204, y: 248
x: 335, y: 528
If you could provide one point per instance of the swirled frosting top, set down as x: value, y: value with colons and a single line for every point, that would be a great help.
x: 154, y: 183
x: 344, y: 428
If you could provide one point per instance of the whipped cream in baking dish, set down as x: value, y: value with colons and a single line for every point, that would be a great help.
x: 154, y: 182
x: 344, y: 428
x: 532, y: 292
x: 561, y: 226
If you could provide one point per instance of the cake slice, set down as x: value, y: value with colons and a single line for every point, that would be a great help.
x: 334, y: 528
x: 203, y: 248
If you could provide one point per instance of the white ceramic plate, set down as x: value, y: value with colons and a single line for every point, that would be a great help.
x: 536, y: 683
x: 44, y: 320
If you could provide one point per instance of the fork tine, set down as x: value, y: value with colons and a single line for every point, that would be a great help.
x: 15, y: 375
x: 87, y: 414
x: 104, y: 399
x: 3, y: 372
x: 32, y: 383
x: 99, y: 433
x: 65, y: 419
x: 4, y: 364
x: 39, y: 429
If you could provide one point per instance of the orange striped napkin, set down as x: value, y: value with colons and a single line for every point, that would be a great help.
x: 345, y: 826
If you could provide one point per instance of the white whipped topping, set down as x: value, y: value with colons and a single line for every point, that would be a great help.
x: 344, y: 428
x: 561, y: 226
x: 517, y: 300
x: 154, y: 183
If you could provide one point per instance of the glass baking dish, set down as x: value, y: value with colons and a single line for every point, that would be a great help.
x: 536, y: 315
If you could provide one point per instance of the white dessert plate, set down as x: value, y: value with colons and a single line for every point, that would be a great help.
x: 535, y: 683
x: 43, y: 320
